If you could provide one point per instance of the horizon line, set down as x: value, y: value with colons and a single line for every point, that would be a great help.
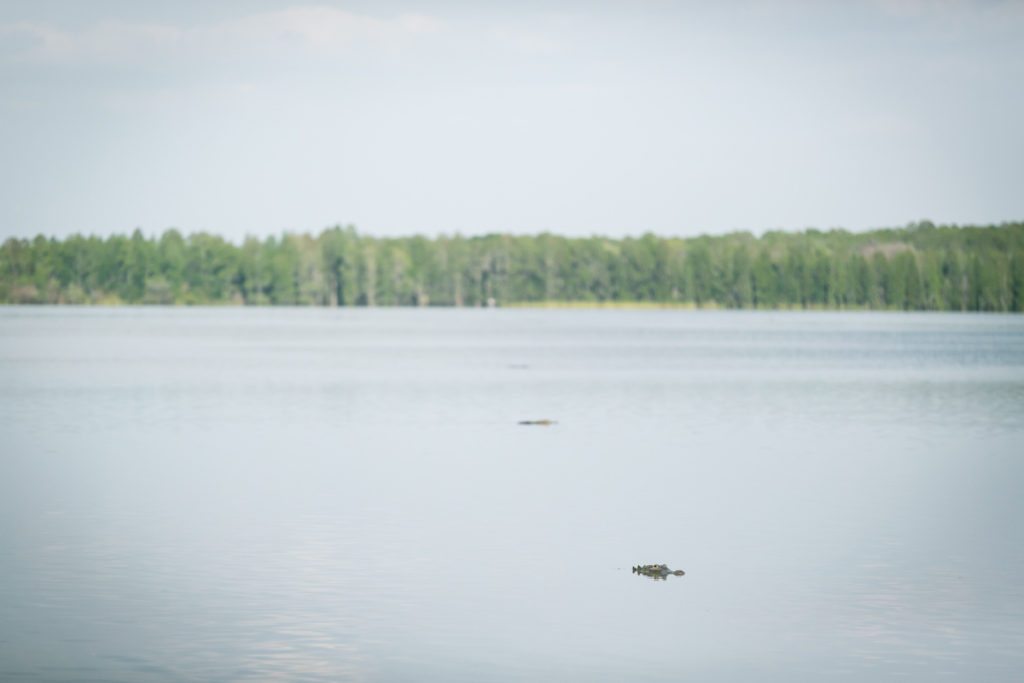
x: 758, y: 234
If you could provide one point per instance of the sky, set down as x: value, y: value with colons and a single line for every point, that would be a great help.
x: 614, y: 118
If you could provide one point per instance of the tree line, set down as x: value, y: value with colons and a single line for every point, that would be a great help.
x: 918, y: 267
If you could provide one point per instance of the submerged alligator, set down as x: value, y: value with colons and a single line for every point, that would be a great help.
x: 543, y: 423
x: 657, y: 571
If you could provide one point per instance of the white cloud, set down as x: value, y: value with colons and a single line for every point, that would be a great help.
x: 317, y: 29
x: 324, y: 29
x: 105, y: 41
x: 527, y: 42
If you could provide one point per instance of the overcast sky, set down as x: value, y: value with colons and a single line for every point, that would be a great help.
x: 253, y: 117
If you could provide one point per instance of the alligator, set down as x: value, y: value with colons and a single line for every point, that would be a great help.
x: 657, y: 571
x: 544, y: 423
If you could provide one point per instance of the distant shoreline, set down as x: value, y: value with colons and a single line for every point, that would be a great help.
x: 527, y: 306
x: 677, y: 306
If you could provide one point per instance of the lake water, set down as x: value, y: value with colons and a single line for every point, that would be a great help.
x: 324, y: 495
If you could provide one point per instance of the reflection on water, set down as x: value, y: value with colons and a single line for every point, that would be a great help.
x: 321, y: 495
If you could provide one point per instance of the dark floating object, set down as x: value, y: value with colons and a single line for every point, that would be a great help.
x: 657, y: 571
x: 543, y: 423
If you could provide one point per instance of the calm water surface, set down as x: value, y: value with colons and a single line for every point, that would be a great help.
x: 323, y: 495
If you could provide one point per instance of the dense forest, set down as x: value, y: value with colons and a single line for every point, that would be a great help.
x: 920, y: 267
